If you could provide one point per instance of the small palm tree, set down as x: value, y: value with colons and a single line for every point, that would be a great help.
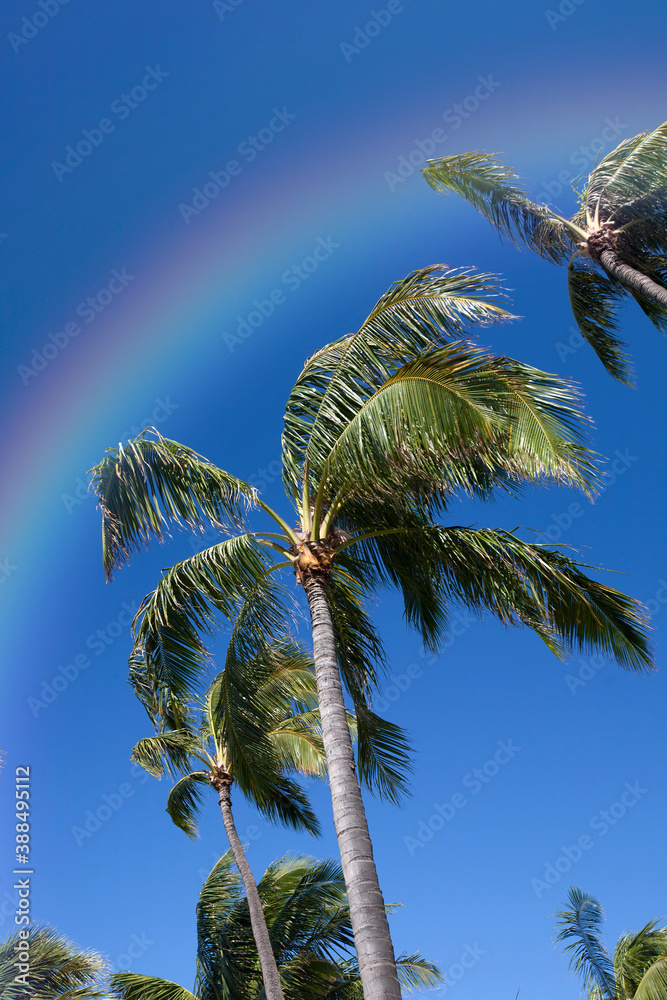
x: 383, y: 430
x: 259, y: 724
x: 46, y: 966
x: 309, y: 926
x: 638, y: 970
x: 614, y: 246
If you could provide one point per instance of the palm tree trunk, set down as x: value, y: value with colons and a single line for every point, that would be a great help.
x: 372, y: 939
x: 632, y: 278
x: 260, y: 931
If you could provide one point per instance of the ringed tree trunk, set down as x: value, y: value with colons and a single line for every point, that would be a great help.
x: 370, y: 926
x: 260, y: 931
x: 601, y: 248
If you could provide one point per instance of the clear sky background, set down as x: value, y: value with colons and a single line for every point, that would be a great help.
x: 556, y: 86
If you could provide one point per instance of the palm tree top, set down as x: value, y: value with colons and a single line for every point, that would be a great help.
x: 309, y: 925
x: 614, y: 245
x: 636, y: 971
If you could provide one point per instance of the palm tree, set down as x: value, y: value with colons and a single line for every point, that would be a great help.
x: 638, y: 970
x: 41, y: 963
x: 383, y: 429
x: 259, y: 724
x: 614, y: 245
x: 309, y: 925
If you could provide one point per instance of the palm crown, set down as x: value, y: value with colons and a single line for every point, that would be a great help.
x: 614, y: 246
x: 383, y: 428
x: 309, y: 925
x: 638, y: 968
x: 258, y: 725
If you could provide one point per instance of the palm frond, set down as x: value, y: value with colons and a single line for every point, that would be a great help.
x: 443, y: 416
x: 527, y: 584
x: 132, y: 986
x: 416, y: 973
x: 580, y: 925
x: 427, y: 309
x: 489, y: 186
x: 169, y: 752
x: 151, y: 483
x: 192, y: 598
x: 57, y: 968
x: 634, y: 957
x: 185, y: 801
x: 632, y: 172
x: 595, y: 298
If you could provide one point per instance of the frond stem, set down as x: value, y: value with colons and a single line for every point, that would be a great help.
x: 278, y: 519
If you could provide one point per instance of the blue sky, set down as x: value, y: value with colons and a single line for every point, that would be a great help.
x: 337, y: 115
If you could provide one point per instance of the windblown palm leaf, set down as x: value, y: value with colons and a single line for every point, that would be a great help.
x: 620, y: 230
x: 58, y: 970
x: 309, y: 925
x: 148, y: 484
x: 427, y: 309
x: 639, y: 967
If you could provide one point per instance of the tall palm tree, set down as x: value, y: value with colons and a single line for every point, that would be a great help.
x: 309, y: 925
x: 638, y: 969
x: 258, y: 725
x: 55, y: 968
x: 383, y: 429
x: 614, y: 246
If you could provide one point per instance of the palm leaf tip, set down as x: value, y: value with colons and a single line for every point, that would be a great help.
x: 153, y: 483
x: 490, y: 187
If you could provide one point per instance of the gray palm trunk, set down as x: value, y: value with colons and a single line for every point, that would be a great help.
x: 260, y: 931
x: 368, y: 916
x: 632, y: 278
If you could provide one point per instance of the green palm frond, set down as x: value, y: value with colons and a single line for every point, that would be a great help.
x: 131, y: 986
x: 185, y: 800
x: 489, y: 186
x: 169, y: 752
x: 427, y: 309
x: 640, y: 963
x: 580, y: 925
x: 59, y: 970
x: 149, y: 484
x: 633, y: 172
x: 522, y: 583
x: 416, y: 973
x: 442, y: 416
x: 383, y: 751
x: 595, y: 300
x: 653, y: 984
x: 192, y: 598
